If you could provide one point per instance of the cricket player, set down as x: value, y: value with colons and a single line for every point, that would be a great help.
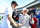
x: 8, y: 16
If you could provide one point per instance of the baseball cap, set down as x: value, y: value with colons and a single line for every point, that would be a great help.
x: 14, y: 2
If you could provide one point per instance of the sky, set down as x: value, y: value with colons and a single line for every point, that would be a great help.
x: 6, y: 3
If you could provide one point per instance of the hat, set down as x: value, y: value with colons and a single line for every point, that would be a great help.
x: 25, y: 9
x: 14, y: 2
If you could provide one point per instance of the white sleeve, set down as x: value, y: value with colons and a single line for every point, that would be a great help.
x: 9, y: 12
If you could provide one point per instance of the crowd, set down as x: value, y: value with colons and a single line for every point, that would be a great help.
x: 23, y: 19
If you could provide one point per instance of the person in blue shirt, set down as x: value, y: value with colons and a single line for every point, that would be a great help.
x: 38, y: 16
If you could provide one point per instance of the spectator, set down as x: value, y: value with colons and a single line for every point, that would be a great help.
x: 34, y: 21
x: 24, y: 19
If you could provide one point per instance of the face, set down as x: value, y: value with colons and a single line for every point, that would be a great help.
x: 24, y: 11
x: 31, y: 14
x: 13, y: 5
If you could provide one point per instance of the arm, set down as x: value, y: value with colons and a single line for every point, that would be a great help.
x: 11, y: 20
x: 35, y: 11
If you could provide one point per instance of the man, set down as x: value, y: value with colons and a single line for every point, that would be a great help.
x: 24, y: 19
x: 9, y: 15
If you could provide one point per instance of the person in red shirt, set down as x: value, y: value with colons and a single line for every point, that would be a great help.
x: 34, y: 20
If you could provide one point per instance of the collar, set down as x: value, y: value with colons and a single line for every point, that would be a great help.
x: 25, y: 14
